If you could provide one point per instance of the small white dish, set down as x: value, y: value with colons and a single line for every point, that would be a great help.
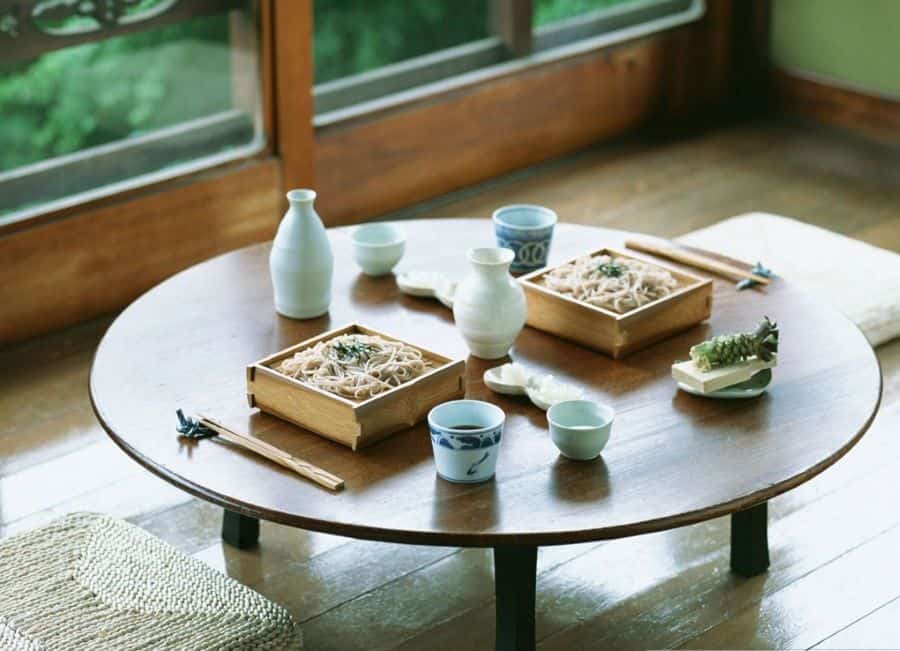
x: 536, y: 387
x: 427, y: 284
x: 445, y: 293
x: 547, y: 391
x: 378, y: 247
x: 580, y: 429
x: 493, y: 378
x: 419, y: 283
x: 535, y: 398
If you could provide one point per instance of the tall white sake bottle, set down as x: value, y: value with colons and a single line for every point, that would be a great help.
x: 301, y: 261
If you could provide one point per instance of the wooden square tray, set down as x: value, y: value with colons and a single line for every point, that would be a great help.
x: 612, y: 333
x: 353, y: 423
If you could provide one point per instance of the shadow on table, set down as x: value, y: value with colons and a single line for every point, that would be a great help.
x: 743, y: 416
x: 424, y: 304
x: 370, y: 291
x: 472, y: 507
x: 580, y: 481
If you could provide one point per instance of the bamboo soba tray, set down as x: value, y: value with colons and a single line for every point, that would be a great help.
x: 353, y: 423
x: 607, y: 331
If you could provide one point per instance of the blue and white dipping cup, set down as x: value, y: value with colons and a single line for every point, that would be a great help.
x: 528, y: 231
x: 462, y: 453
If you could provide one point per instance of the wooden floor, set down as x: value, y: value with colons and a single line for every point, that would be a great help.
x: 835, y: 575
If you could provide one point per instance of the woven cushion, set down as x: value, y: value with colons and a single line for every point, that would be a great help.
x: 89, y: 581
x: 817, y: 260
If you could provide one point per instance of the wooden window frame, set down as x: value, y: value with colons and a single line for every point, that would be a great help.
x: 23, y: 180
x: 189, y: 141
x: 377, y: 157
x: 514, y: 47
x: 74, y: 263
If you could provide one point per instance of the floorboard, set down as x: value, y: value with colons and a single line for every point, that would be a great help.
x: 877, y: 630
x: 816, y: 605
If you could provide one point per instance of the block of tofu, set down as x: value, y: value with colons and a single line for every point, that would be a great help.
x: 718, y: 378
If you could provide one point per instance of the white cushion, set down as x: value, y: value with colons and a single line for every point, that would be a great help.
x: 859, y: 279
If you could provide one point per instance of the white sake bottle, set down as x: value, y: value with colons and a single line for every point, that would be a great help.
x: 489, y: 305
x: 301, y: 261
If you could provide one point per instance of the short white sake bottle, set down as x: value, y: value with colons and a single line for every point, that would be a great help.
x: 489, y: 305
x: 301, y: 261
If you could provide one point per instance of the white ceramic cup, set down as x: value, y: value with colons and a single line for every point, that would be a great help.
x: 580, y: 429
x: 378, y: 247
x: 466, y: 454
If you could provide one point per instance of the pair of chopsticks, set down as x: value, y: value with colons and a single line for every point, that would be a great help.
x: 204, y: 427
x: 695, y: 258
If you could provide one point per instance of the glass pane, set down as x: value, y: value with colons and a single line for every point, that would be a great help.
x: 353, y: 36
x: 551, y: 11
x: 114, y: 110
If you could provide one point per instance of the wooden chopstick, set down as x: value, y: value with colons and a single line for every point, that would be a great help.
x: 301, y: 467
x: 696, y: 260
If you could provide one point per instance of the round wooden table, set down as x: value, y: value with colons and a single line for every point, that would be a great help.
x: 673, y: 459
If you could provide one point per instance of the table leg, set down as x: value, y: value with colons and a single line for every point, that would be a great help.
x: 750, y: 541
x: 515, y: 572
x: 241, y: 531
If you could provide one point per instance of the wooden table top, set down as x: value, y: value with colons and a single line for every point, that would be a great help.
x: 673, y: 459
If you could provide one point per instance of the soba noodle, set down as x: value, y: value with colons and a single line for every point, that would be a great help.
x: 618, y: 285
x: 355, y: 366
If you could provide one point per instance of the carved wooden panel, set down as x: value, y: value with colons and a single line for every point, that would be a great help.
x: 29, y: 28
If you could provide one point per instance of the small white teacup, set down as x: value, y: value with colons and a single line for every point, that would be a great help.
x: 378, y: 247
x: 465, y: 438
x: 580, y: 429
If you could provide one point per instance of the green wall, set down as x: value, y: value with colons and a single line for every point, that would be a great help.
x: 853, y: 41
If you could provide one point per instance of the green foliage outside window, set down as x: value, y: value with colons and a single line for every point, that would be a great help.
x: 353, y: 36
x: 97, y: 93
x: 550, y: 11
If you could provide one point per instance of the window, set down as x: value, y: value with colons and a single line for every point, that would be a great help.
x: 353, y: 36
x: 523, y: 82
x: 593, y: 23
x: 365, y: 50
x: 551, y: 11
x: 97, y: 97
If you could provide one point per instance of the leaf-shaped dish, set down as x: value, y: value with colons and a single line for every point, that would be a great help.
x: 753, y: 387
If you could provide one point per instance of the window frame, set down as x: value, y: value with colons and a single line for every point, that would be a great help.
x: 69, y: 265
x: 260, y: 36
x: 381, y: 156
x: 514, y: 47
x: 24, y: 180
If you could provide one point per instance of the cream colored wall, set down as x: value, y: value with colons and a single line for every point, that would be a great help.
x: 856, y: 42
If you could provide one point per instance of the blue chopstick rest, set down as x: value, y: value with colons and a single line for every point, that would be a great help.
x: 759, y: 270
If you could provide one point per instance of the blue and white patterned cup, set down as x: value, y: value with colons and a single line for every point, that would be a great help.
x: 528, y: 231
x: 465, y: 438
